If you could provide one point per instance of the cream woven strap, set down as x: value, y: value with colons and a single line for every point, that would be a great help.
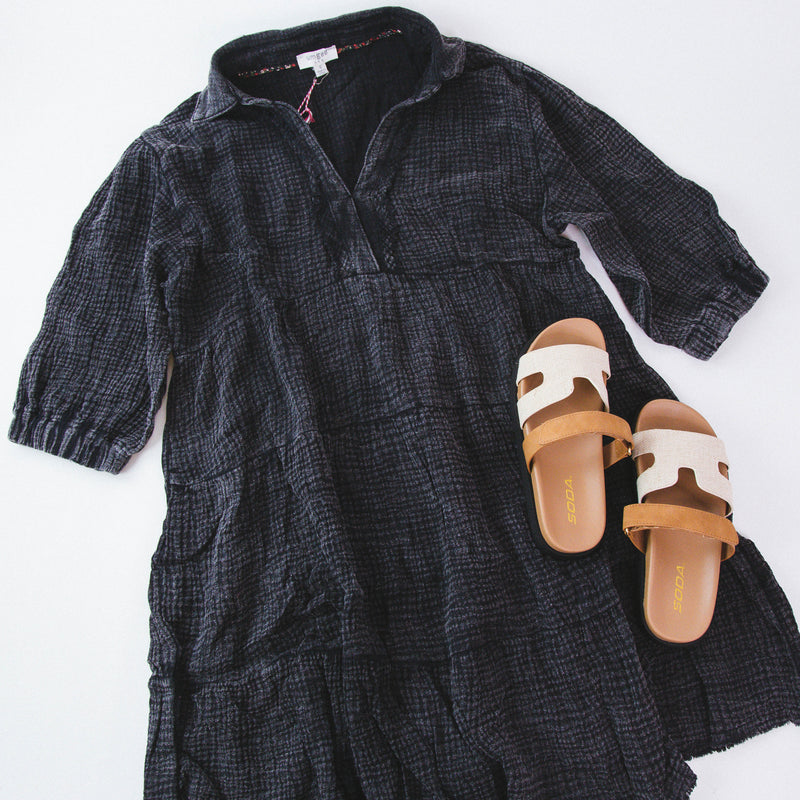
x: 700, y: 452
x: 559, y: 365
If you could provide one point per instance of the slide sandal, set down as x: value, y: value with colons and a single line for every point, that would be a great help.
x: 681, y: 520
x: 562, y: 409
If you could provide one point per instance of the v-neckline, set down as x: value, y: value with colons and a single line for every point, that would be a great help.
x: 373, y: 146
x: 445, y: 59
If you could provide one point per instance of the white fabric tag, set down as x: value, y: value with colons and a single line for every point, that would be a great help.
x: 317, y: 59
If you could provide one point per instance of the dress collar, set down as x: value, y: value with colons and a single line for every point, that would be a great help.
x: 444, y: 55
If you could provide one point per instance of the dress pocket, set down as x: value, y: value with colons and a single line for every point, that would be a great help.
x: 196, y: 514
x: 233, y: 579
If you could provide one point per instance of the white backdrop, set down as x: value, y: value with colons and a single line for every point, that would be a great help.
x: 710, y: 87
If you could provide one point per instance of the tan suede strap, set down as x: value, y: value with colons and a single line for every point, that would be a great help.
x: 639, y: 517
x: 574, y: 424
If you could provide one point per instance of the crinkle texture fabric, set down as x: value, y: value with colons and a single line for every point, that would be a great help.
x: 346, y: 598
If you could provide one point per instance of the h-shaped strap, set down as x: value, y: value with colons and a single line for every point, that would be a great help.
x: 673, y: 449
x: 559, y: 365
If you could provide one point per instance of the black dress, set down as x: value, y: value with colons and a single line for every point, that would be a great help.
x: 346, y: 598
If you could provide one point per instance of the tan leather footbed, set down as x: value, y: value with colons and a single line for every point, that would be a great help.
x: 681, y: 568
x: 567, y: 476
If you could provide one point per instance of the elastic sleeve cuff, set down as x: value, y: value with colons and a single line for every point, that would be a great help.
x: 719, y: 317
x: 76, y: 441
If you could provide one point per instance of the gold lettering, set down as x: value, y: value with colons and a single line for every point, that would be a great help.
x: 570, y: 496
x: 677, y: 603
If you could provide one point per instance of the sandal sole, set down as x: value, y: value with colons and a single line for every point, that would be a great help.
x: 567, y: 480
x: 681, y: 569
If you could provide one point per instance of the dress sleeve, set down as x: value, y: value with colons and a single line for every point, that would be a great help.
x: 95, y: 375
x: 679, y: 267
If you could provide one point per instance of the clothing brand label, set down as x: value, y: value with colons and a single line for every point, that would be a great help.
x: 317, y: 59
